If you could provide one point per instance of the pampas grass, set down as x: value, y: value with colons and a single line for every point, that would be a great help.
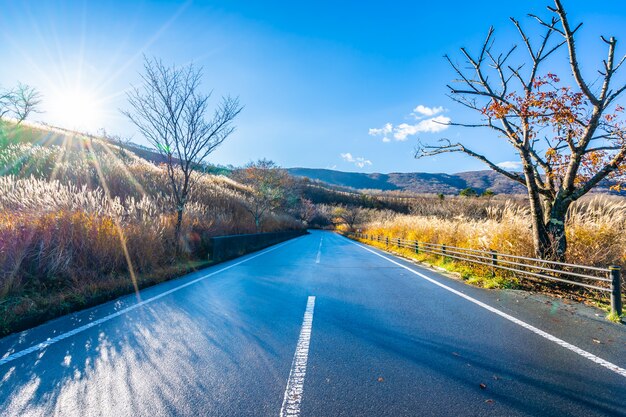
x: 70, y: 211
x: 596, y: 228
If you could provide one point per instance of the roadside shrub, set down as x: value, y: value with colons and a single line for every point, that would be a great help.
x: 596, y: 228
x: 70, y: 212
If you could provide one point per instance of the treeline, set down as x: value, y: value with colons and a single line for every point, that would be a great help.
x: 320, y: 193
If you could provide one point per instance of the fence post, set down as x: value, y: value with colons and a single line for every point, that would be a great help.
x: 398, y: 242
x: 417, y: 247
x: 387, y: 241
x: 616, y: 289
x: 494, y: 261
x: 443, y: 250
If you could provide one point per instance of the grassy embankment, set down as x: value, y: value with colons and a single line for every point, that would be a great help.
x: 83, y: 221
x: 596, y: 234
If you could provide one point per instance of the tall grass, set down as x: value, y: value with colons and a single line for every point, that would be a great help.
x: 596, y: 232
x: 80, y: 215
x: 596, y: 228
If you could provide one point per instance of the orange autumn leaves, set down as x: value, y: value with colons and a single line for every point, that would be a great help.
x: 556, y: 117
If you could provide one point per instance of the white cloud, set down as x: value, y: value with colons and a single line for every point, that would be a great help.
x: 358, y: 161
x: 432, y: 125
x: 385, y: 130
x: 421, y: 111
x: 429, y: 121
x: 514, y: 165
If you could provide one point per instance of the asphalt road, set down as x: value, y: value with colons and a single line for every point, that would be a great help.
x: 317, y: 326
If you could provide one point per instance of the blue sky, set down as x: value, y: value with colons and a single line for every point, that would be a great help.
x: 319, y: 80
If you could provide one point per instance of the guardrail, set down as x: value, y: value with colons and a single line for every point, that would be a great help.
x: 605, y: 280
x: 222, y: 248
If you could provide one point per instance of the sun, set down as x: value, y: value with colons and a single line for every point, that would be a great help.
x: 75, y: 109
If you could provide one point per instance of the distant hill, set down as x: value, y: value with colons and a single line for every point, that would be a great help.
x: 415, y: 182
x: 423, y: 183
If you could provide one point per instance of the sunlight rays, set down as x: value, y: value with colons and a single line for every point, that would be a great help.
x: 80, y: 93
x: 157, y: 34
x: 90, y: 151
x: 120, y: 230
x: 62, y: 157
x: 127, y: 172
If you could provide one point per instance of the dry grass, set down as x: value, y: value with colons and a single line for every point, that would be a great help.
x: 596, y: 228
x: 79, y: 216
x: 596, y: 231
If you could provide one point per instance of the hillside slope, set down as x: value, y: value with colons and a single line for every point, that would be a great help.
x: 83, y: 221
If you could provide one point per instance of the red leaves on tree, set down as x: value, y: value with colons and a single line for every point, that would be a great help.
x: 557, y: 116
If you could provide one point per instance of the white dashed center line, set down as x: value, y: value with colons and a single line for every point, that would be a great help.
x: 295, y: 383
x: 319, y: 251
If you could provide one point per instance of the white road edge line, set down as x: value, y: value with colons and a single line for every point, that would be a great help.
x: 319, y: 251
x: 602, y: 362
x: 295, y: 383
x: 89, y: 325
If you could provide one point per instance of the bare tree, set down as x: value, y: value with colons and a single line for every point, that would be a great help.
x: 351, y: 216
x: 568, y: 139
x: 175, y: 117
x: 269, y: 186
x: 20, y: 102
x: 304, y: 210
x: 26, y: 100
x: 6, y: 96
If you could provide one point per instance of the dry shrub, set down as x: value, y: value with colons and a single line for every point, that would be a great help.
x: 466, y: 207
x: 596, y: 229
x: 70, y: 211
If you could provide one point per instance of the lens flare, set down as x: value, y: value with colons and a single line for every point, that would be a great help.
x: 75, y: 109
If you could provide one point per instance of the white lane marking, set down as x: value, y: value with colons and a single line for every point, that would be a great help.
x: 89, y: 325
x: 319, y: 251
x: 602, y: 362
x: 295, y: 383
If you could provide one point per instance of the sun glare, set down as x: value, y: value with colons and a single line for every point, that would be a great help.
x: 75, y: 109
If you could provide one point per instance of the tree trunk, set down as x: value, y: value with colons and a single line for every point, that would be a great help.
x: 541, y: 240
x: 549, y: 238
x: 178, y: 228
x: 537, y: 207
x: 257, y: 223
x: 555, y: 230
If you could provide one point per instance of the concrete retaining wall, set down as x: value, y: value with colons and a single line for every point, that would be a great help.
x: 223, y: 248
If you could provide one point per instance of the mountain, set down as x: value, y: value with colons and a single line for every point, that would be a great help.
x: 416, y: 182
x: 425, y: 183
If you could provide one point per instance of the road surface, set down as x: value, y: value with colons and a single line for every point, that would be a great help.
x: 316, y: 326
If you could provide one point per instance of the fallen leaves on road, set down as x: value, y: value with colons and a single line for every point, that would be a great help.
x: 381, y: 379
x: 483, y: 386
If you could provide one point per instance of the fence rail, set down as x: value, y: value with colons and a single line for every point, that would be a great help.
x: 604, y: 280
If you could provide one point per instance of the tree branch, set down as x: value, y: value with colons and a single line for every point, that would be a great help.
x: 448, y: 147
